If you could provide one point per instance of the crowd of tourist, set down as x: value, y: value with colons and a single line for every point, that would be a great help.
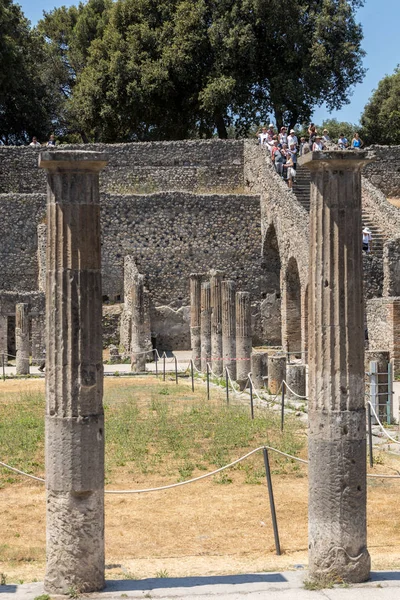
x: 285, y: 147
x: 36, y: 144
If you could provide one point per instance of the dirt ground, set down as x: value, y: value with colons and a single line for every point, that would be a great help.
x: 200, y: 529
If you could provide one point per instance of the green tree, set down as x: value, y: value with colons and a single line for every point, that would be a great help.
x: 25, y: 103
x: 68, y: 34
x: 166, y: 69
x: 381, y: 117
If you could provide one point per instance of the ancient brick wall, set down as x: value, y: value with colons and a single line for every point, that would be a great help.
x: 384, y: 172
x: 138, y: 168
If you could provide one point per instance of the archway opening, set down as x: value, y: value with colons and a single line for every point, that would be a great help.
x: 271, y: 290
x: 293, y: 309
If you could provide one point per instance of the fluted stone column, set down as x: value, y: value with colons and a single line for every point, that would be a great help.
x: 3, y: 339
x: 243, y: 335
x: 22, y: 338
x: 296, y: 380
x: 216, y: 321
x: 276, y: 372
x: 74, y: 373
x: 205, y: 319
x: 195, y: 322
x: 138, y: 359
x: 259, y: 368
x: 228, y: 317
x: 41, y: 255
x: 337, y: 445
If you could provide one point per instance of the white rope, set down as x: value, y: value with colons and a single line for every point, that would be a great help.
x: 262, y: 400
x: 21, y: 472
x: 235, y: 462
x: 232, y: 384
x: 294, y: 393
x: 381, y: 426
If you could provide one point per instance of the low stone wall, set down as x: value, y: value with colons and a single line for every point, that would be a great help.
x: 143, y: 167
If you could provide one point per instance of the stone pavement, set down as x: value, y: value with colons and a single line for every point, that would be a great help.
x: 384, y: 585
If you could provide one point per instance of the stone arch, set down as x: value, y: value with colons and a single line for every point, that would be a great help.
x: 271, y: 289
x: 292, y: 324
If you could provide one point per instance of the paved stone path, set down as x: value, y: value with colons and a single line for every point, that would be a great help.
x: 258, y: 586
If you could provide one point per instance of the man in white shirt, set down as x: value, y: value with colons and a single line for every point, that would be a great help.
x: 366, y: 239
x: 263, y: 136
x: 292, y: 138
x: 34, y: 143
x: 342, y: 142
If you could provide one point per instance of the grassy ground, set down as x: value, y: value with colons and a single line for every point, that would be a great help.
x: 159, y: 433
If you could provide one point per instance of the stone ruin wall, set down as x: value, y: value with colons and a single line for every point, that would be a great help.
x: 148, y: 212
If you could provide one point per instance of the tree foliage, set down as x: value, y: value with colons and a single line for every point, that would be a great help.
x: 167, y: 69
x: 381, y: 117
x: 25, y: 101
x: 121, y: 70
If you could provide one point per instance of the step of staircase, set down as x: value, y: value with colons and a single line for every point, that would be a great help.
x: 301, y: 190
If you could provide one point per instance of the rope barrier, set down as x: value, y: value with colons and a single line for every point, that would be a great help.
x: 294, y: 393
x: 381, y: 426
x: 21, y: 472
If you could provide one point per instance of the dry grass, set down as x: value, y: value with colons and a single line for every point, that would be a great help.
x: 204, y: 528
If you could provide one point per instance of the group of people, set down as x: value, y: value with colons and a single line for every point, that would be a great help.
x: 285, y: 147
x: 35, y: 144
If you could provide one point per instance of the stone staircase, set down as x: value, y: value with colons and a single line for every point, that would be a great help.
x: 302, y: 191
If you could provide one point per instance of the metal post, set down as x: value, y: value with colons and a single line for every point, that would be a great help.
x: 283, y: 405
x: 373, y: 374
x: 371, y: 457
x: 251, y: 399
x: 156, y: 359
x: 271, y: 501
x: 176, y: 369
x: 192, y: 373
x: 208, y: 381
x: 4, y: 370
x: 389, y: 403
x: 163, y: 366
x: 227, y: 384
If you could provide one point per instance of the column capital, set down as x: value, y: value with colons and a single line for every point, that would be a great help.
x: 72, y: 160
x: 343, y: 160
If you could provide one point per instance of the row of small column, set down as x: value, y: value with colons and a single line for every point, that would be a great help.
x: 220, y: 325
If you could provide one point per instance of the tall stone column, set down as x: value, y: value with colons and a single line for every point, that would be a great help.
x: 138, y: 359
x: 228, y: 299
x: 41, y: 255
x: 22, y: 338
x: 74, y: 373
x: 205, y: 319
x: 243, y: 335
x: 195, y: 315
x: 337, y: 444
x: 37, y: 338
x: 3, y: 339
x: 296, y: 380
x: 216, y: 321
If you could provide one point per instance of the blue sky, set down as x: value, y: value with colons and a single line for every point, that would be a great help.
x: 379, y: 18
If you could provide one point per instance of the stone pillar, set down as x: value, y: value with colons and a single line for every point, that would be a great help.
x: 195, y: 317
x: 41, y: 255
x: 276, y: 372
x: 74, y: 374
x: 22, y: 338
x: 259, y: 368
x: 205, y: 319
x: 382, y: 358
x: 228, y: 317
x: 3, y: 339
x: 337, y: 433
x: 138, y: 358
x: 216, y: 321
x: 243, y: 336
x: 37, y: 338
x: 296, y: 380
